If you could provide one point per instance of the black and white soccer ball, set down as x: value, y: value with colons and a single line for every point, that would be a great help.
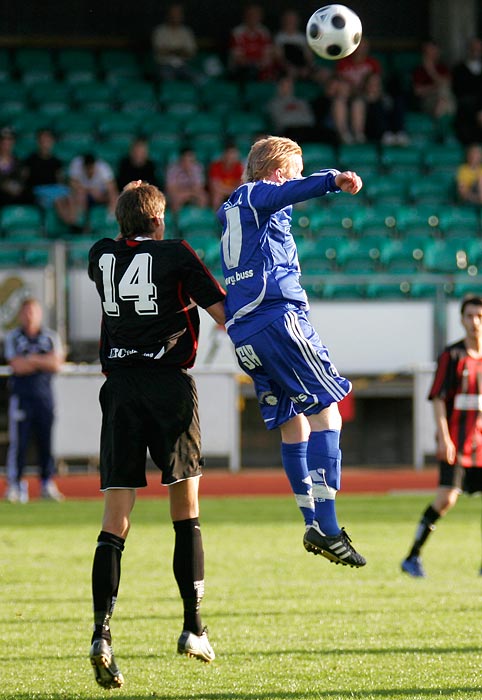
x: 334, y: 31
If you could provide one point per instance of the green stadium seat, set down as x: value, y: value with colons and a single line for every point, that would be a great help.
x: 37, y: 257
x: 355, y: 156
x: 118, y: 122
x: 206, y: 247
x: 53, y: 109
x: 25, y: 145
x: 329, y: 221
x: 77, y: 122
x: 419, y: 124
x: 102, y: 223
x: 388, y: 290
x: 321, y: 155
x: 258, y: 93
x: 20, y: 218
x: 50, y: 92
x: 118, y: 58
x: 449, y: 256
x: 200, y: 221
x: 361, y: 253
x: 10, y: 257
x: 13, y: 90
x: 37, y: 76
x: 404, y: 255
x: 418, y: 219
x: 92, y: 92
x: 438, y: 190
x: 5, y: 65
x: 321, y: 249
x: 221, y: 96
x: 25, y: 58
x: 76, y: 59
x: 379, y: 220
x: 154, y: 124
x: 178, y: 91
x: 444, y: 157
x: 54, y: 227
x: 343, y: 290
x: 391, y: 188
x: 249, y: 123
x: 182, y: 109
x: 10, y: 109
x: 30, y: 122
x: 459, y: 221
x: 396, y: 158
x: 203, y: 123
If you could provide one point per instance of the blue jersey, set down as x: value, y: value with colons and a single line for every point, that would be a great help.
x: 258, y: 251
x: 18, y: 343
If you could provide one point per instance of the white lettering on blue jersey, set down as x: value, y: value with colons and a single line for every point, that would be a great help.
x: 258, y: 251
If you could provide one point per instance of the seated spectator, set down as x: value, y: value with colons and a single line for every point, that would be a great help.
x: 469, y: 176
x: 294, y: 56
x: 348, y: 100
x: 431, y: 82
x: 467, y: 87
x: 291, y: 116
x: 91, y: 182
x: 174, y: 45
x: 251, y: 54
x: 185, y: 182
x: 384, y: 117
x: 224, y: 175
x: 137, y: 165
x: 43, y: 171
x: 12, y: 181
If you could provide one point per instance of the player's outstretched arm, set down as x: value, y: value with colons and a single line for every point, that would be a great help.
x: 349, y: 181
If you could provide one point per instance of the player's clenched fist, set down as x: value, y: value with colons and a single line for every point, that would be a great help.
x: 349, y: 182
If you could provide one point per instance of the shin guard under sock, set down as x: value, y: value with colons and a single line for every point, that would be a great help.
x: 293, y: 457
x: 324, y: 467
x: 188, y: 566
x: 106, y: 572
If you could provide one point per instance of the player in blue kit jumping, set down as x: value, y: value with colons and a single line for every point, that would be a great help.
x: 297, y: 385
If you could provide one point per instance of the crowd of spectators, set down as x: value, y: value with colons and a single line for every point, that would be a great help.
x: 355, y: 100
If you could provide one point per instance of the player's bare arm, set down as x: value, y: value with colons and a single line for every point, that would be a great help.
x: 446, y: 450
x: 216, y: 311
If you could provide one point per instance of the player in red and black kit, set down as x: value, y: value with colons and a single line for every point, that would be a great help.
x: 457, y: 400
x: 149, y: 290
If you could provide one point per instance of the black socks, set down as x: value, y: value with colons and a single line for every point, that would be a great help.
x: 188, y: 566
x: 106, y: 572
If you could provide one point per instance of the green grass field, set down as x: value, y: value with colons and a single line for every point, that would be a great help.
x: 285, y: 625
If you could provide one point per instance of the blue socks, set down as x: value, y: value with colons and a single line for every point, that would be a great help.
x: 324, y: 467
x: 294, y: 462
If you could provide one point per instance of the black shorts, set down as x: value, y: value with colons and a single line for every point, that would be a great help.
x: 144, y: 408
x: 465, y: 479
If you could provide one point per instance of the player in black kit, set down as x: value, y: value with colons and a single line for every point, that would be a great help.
x: 149, y: 290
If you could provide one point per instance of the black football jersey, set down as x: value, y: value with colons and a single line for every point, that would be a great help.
x: 149, y: 292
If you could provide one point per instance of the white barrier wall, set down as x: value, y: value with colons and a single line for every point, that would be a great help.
x: 78, y: 414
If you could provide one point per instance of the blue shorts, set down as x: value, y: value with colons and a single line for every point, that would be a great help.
x: 291, y: 370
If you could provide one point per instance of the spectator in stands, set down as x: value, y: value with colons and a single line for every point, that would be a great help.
x: 91, y: 182
x: 293, y: 53
x: 348, y: 98
x: 469, y: 176
x: 174, y: 45
x: 431, y: 82
x: 43, y: 171
x: 251, y: 53
x: 384, y: 117
x: 137, y: 165
x: 467, y: 87
x: 290, y: 115
x: 186, y: 182
x: 224, y: 175
x: 12, y: 181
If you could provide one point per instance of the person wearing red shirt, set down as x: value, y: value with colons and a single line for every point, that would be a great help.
x: 224, y: 175
x: 251, y: 55
x: 457, y: 401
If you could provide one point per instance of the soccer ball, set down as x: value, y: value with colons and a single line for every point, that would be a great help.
x: 333, y: 32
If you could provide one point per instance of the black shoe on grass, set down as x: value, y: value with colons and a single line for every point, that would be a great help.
x: 105, y: 668
x: 336, y: 548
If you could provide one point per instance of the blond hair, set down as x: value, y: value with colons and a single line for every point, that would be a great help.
x: 138, y: 204
x: 267, y: 154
